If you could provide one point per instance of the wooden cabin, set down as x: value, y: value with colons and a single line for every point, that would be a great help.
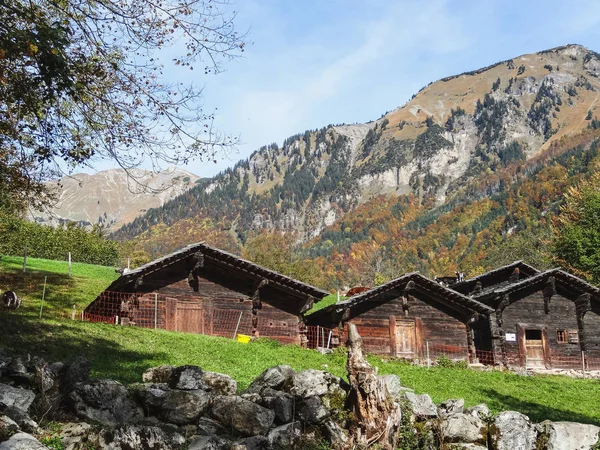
x: 545, y: 320
x: 409, y: 315
x: 200, y: 289
x: 493, y: 279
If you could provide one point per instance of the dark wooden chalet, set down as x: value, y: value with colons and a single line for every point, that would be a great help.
x: 544, y: 320
x: 406, y: 315
x: 201, y: 289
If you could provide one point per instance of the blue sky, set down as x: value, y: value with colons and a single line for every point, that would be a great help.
x: 311, y: 63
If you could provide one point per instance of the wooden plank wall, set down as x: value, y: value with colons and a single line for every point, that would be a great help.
x: 591, y: 323
x: 438, y: 327
x: 529, y: 311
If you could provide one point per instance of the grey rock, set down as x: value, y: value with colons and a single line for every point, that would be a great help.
x: 459, y: 427
x: 278, y: 377
x: 209, y: 443
x: 394, y: 387
x: 208, y: 426
x: 15, y: 367
x: 285, y: 435
x: 570, y: 435
x: 512, y: 430
x: 25, y: 422
x: 311, y: 382
x: 17, y: 397
x: 150, y: 395
x: 481, y: 411
x: 22, y: 441
x: 8, y: 426
x: 134, y: 437
x: 254, y: 398
x: 451, y: 406
x: 242, y: 415
x: 335, y: 432
x: 421, y: 405
x: 219, y: 384
x: 187, y: 378
x: 251, y: 443
x: 463, y: 446
x: 184, y: 407
x: 103, y: 401
x: 76, y: 371
x: 313, y: 411
x: 75, y: 436
x: 160, y: 374
x: 56, y: 367
x: 281, y: 403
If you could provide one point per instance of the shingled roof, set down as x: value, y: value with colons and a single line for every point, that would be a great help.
x: 494, y: 278
x: 440, y: 293
x: 220, y: 258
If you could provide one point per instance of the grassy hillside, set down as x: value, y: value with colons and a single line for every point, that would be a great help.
x: 124, y: 353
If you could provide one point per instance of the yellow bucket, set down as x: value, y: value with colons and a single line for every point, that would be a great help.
x: 243, y: 338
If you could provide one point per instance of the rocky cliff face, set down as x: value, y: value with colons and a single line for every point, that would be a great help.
x: 111, y: 198
x: 451, y: 132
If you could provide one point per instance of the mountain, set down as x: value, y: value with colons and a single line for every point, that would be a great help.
x: 111, y: 198
x: 458, y: 152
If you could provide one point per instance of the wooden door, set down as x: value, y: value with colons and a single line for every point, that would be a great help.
x: 534, y: 348
x: 406, y: 338
x: 190, y: 317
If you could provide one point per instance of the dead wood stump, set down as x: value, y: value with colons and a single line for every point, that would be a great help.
x: 377, y: 417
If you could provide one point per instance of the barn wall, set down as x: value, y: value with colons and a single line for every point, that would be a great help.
x: 591, y: 323
x: 437, y: 326
x: 529, y: 311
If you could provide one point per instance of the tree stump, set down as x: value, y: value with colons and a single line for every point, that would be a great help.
x: 377, y: 417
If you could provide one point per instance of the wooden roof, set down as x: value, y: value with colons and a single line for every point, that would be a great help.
x: 422, y: 286
x: 567, y: 285
x: 223, y: 260
x: 494, y: 278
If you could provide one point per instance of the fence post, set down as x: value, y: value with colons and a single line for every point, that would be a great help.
x: 583, y: 363
x: 74, y: 312
x: 82, y: 315
x: 317, y: 339
x: 43, y: 295
x: 70, y: 264
x: 25, y: 260
x: 155, y: 310
x: 329, y: 339
x: 427, y: 350
x: 238, y: 324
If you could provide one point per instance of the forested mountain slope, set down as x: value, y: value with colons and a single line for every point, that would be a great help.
x: 434, y: 185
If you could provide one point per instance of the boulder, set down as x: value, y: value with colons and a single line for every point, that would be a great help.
x: 463, y: 446
x: 74, y: 372
x: 312, y: 382
x: 103, y: 401
x: 135, y: 437
x: 75, y: 436
x: 219, y: 384
x: 251, y: 443
x: 278, y: 377
x: 285, y: 435
x: 281, y: 403
x: 150, y: 395
x: 8, y: 426
x: 451, y: 406
x: 421, y: 405
x: 160, y: 374
x: 254, y: 398
x: 459, y: 427
x: 22, y: 441
x: 335, y: 433
x: 481, y: 411
x: 184, y: 407
x: 394, y: 387
x: 208, y: 426
x: 313, y: 411
x: 22, y: 419
x: 187, y: 378
x: 17, y: 397
x: 570, y: 435
x: 209, y: 443
x: 512, y: 430
x: 242, y: 415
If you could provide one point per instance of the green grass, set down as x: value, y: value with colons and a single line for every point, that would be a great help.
x: 123, y: 353
x: 331, y: 299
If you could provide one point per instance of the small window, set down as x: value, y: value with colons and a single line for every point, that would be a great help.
x: 561, y: 336
x: 533, y: 335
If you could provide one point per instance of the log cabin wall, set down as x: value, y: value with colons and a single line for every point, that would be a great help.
x: 559, y: 327
x: 434, y: 323
x: 591, y: 323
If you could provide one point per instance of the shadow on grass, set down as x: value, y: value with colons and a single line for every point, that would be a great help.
x: 22, y: 334
x: 536, y: 411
